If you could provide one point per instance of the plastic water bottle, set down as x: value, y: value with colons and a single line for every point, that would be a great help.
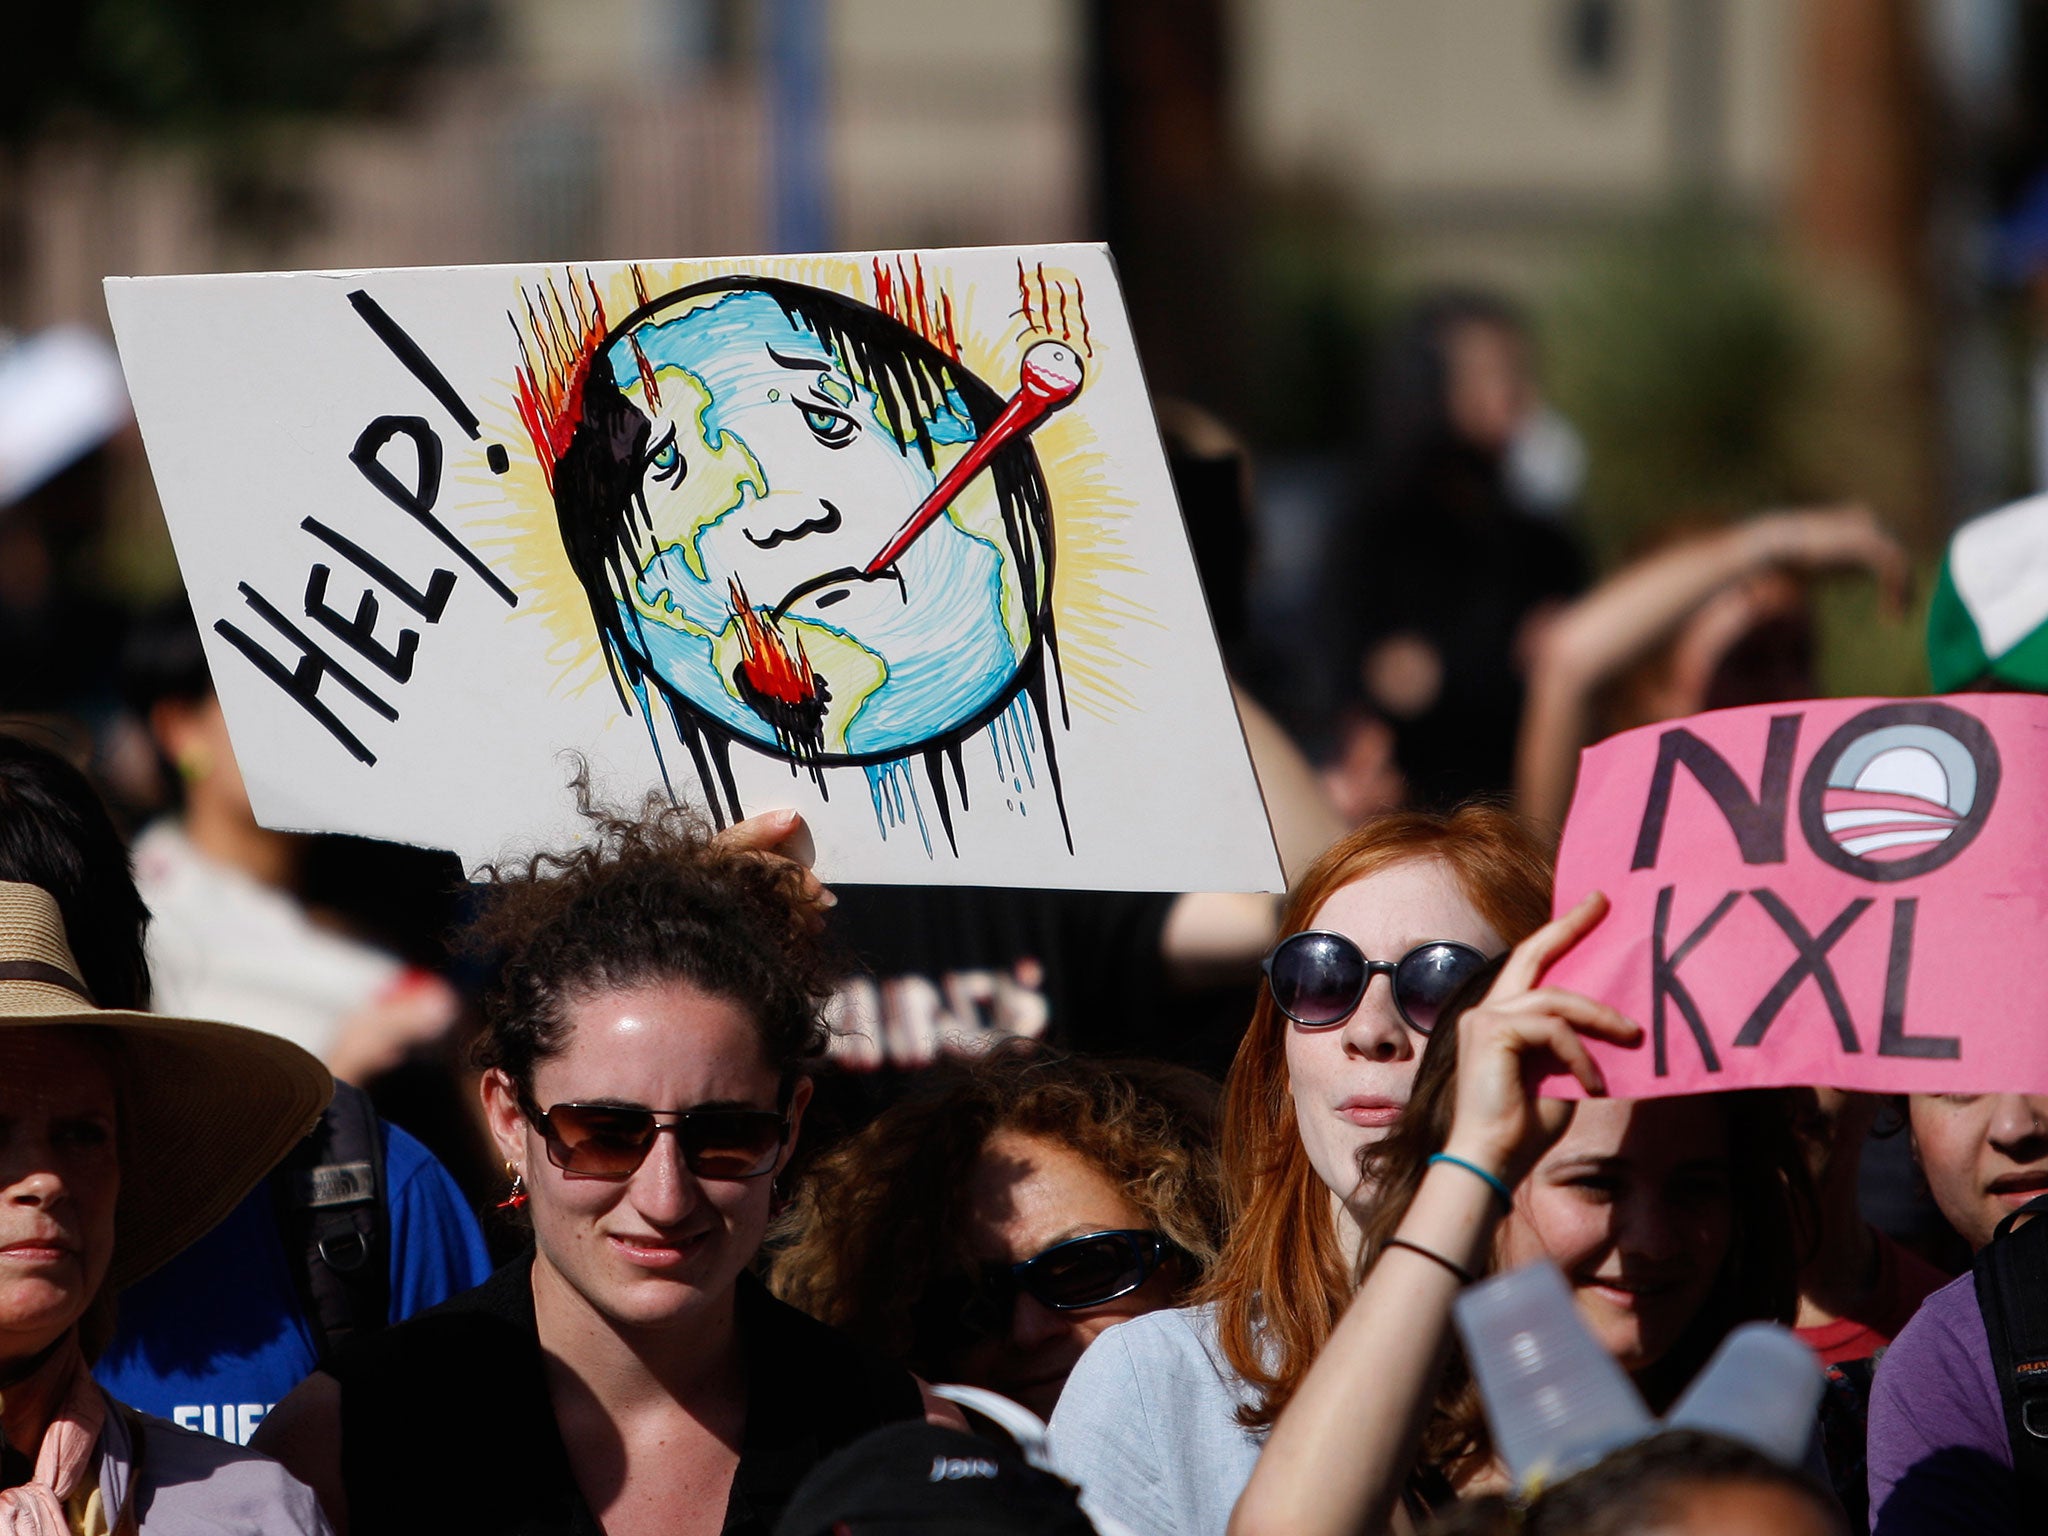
x: 1762, y: 1387
x: 1556, y: 1401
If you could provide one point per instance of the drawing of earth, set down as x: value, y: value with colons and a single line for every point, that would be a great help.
x: 773, y: 455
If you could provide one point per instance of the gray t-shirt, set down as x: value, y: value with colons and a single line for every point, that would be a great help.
x: 1147, y: 1427
x: 194, y: 1485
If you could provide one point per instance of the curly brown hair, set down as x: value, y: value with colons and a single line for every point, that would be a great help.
x: 652, y: 898
x: 874, y: 1243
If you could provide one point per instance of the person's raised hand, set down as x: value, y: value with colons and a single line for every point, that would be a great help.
x: 781, y: 834
x: 415, y: 1012
x: 1519, y: 1034
x: 1819, y: 539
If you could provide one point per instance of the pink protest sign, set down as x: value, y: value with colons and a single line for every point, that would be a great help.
x: 1846, y: 893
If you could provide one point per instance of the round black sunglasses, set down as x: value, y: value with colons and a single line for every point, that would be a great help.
x: 1319, y: 978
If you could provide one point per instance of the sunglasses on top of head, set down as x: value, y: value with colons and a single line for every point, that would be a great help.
x: 1080, y: 1272
x: 611, y: 1141
x: 1319, y: 978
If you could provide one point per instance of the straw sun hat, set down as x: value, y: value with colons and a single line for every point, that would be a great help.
x: 206, y: 1109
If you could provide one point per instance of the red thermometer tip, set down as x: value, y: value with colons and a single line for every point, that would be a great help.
x: 1050, y: 376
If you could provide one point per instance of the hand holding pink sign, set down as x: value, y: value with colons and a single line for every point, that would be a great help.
x: 1843, y: 892
x: 1504, y: 1042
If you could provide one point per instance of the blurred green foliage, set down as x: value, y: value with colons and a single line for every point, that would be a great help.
x: 1864, y: 650
x: 1684, y: 357
x: 1709, y: 377
x: 1314, y: 304
x: 212, y: 68
x: 1710, y: 383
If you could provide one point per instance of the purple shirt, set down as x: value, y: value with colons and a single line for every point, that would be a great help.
x: 1940, y: 1461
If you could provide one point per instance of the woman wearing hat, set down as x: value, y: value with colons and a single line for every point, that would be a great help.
x: 123, y: 1136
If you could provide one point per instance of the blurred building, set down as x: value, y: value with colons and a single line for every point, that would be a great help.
x: 1266, y: 170
x: 1485, y: 141
x: 1475, y: 139
x: 615, y: 128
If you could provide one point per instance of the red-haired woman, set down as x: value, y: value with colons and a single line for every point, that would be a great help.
x: 1671, y: 1219
x: 1163, y: 1418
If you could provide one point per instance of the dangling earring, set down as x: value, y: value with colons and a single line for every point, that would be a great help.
x: 779, y: 1197
x: 516, y: 1199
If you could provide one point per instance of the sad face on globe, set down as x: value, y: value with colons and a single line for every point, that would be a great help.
x: 746, y: 451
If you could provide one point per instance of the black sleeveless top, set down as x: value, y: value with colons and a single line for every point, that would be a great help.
x: 446, y: 1423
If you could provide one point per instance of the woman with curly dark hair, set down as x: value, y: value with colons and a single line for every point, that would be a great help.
x: 628, y: 1375
x: 985, y: 1230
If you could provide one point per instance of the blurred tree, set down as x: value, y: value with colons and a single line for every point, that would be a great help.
x: 1313, y: 303
x: 212, y: 68
x: 1863, y: 219
x: 1683, y: 356
x: 1168, y: 189
x: 1710, y: 380
x: 241, y: 81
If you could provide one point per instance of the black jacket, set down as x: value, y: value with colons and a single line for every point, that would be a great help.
x: 447, y: 1426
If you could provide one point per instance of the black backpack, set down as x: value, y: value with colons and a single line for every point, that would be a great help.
x: 336, y: 1222
x: 2012, y: 1292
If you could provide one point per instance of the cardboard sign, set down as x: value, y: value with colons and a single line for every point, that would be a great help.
x: 1846, y: 893
x: 889, y: 538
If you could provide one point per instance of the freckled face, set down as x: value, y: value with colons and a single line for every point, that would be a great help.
x: 1349, y: 1081
x: 60, y: 1178
x: 1634, y: 1205
x: 1026, y: 1193
x: 661, y: 1243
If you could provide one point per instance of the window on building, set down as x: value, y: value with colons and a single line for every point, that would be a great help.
x: 1593, y: 34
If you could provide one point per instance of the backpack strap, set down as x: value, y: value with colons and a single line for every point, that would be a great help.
x: 2012, y: 1291
x: 335, y: 1216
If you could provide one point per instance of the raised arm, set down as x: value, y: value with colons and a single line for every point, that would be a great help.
x: 1215, y: 935
x: 1342, y: 1450
x: 1620, y: 621
x: 1304, y: 820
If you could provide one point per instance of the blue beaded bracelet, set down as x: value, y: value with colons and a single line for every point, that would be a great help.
x: 1501, y: 1192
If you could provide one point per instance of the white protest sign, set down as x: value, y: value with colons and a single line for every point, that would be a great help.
x: 888, y: 538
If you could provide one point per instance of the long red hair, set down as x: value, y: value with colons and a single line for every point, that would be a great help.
x: 1283, y: 1277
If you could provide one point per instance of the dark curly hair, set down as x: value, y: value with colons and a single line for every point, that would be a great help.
x: 653, y: 898
x: 875, y: 1242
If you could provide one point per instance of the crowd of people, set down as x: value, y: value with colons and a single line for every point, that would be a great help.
x: 736, y: 1203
